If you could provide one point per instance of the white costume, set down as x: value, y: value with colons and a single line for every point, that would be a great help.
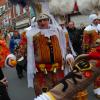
x: 91, y: 27
x: 52, y: 30
x: 45, y: 96
x: 98, y: 28
x: 90, y: 34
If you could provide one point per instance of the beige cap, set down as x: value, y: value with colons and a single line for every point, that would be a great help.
x: 42, y: 16
x: 97, y: 43
x: 92, y: 17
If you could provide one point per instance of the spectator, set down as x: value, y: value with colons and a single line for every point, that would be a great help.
x: 14, y: 41
x: 74, y: 35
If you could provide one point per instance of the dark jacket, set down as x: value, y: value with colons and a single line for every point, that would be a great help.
x: 75, y: 36
x: 3, y: 89
x: 1, y: 75
x: 14, y: 41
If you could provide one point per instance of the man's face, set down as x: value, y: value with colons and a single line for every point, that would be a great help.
x: 43, y: 23
x: 71, y: 25
x: 98, y: 21
x: 95, y: 22
x: 15, y: 34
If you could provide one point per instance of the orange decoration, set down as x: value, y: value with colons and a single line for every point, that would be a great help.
x: 4, y: 51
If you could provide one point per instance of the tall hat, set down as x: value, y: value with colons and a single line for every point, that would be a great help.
x: 92, y: 17
x: 42, y: 16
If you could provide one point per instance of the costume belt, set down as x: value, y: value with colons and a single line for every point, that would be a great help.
x: 45, y: 68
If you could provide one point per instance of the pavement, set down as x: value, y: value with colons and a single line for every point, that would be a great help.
x: 18, y: 90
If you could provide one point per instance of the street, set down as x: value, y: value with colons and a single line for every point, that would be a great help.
x: 18, y: 90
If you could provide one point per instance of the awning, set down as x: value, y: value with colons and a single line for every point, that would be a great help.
x: 22, y: 24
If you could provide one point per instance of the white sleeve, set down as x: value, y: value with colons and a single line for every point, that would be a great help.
x: 43, y: 96
x: 62, y: 42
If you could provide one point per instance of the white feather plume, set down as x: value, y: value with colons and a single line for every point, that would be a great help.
x: 61, y: 6
x: 66, y: 6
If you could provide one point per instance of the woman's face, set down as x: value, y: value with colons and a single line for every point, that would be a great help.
x: 43, y: 23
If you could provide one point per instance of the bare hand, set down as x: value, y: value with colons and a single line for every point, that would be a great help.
x: 4, y: 81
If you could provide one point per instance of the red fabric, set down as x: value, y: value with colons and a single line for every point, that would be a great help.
x: 97, y: 82
x: 48, y: 81
x: 95, y: 55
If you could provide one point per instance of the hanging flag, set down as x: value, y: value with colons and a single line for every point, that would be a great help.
x: 76, y: 9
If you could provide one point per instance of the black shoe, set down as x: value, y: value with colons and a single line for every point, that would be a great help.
x: 20, y: 76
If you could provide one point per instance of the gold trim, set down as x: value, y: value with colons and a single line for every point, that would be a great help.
x: 51, y: 96
x: 85, y: 69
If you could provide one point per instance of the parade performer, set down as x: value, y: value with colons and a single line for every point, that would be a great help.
x: 91, y: 35
x: 49, y: 51
x: 46, y: 50
x: 94, y: 54
x: 8, y: 60
x: 85, y: 70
